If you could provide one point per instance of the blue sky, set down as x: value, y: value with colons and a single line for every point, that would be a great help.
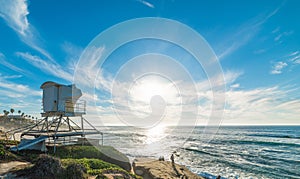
x: 257, y: 43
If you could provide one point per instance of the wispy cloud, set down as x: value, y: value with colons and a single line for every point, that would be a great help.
x: 292, y: 59
x: 46, y: 66
x: 17, y: 88
x: 4, y: 62
x: 19, y: 96
x: 73, y: 53
x: 267, y: 105
x: 11, y: 76
x: 236, y: 85
x: 146, y: 3
x: 15, y: 15
x: 243, y: 34
x: 88, y: 71
x: 261, y: 106
x: 275, y: 30
x: 278, y: 67
x: 282, y: 35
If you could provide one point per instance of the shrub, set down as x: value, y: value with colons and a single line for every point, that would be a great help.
x: 9, y: 142
x: 89, y: 164
x: 46, y: 167
x: 2, y: 152
x: 75, y: 171
x: 105, y: 153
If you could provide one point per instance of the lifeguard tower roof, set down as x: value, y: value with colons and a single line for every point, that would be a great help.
x: 58, y: 98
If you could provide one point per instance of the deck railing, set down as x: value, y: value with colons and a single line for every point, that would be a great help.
x: 78, y: 107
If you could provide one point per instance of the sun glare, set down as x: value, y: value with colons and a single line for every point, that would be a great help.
x: 144, y: 89
x: 155, y: 134
x: 147, y: 87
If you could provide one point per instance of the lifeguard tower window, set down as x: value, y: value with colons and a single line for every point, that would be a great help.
x: 62, y: 99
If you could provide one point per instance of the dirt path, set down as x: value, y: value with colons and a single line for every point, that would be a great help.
x: 5, y: 167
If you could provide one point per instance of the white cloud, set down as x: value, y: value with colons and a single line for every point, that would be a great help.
x: 46, y: 66
x: 17, y: 88
x: 236, y: 85
x: 269, y: 105
x: 276, y: 30
x: 243, y: 35
x: 146, y: 3
x: 11, y: 76
x: 88, y: 71
x: 15, y: 13
x: 73, y: 53
x: 293, y: 53
x: 278, y: 67
x: 262, y: 105
x: 19, y: 96
x: 284, y: 34
x: 292, y: 59
x: 4, y: 62
x: 277, y: 37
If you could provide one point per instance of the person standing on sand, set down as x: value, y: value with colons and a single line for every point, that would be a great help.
x: 172, y: 158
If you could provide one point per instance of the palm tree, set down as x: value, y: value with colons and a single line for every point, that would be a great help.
x: 22, y: 114
x: 19, y: 112
x: 12, y: 111
x: 4, y: 113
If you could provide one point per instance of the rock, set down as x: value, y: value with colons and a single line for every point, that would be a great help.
x: 154, y: 169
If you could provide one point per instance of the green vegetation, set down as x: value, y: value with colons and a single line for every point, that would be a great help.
x: 6, y: 155
x: 89, y: 164
x: 74, y: 161
x: 93, y: 166
x: 2, y: 152
x: 47, y: 166
x: 75, y: 171
x: 79, y: 151
x: 105, y: 153
x: 8, y: 142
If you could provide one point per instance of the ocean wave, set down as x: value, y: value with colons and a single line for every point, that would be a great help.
x: 254, y: 142
x: 192, y: 149
x: 289, y: 161
x: 275, y: 136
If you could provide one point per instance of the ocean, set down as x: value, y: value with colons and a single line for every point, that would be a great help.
x: 233, y: 152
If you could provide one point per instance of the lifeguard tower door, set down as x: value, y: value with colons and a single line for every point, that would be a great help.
x: 50, y: 98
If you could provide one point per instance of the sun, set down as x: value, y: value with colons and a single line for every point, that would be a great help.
x: 147, y: 87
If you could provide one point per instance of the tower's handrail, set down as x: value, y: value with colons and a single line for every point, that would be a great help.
x: 78, y: 107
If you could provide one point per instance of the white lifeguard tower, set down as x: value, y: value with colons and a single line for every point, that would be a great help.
x: 60, y: 103
x: 61, y: 100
